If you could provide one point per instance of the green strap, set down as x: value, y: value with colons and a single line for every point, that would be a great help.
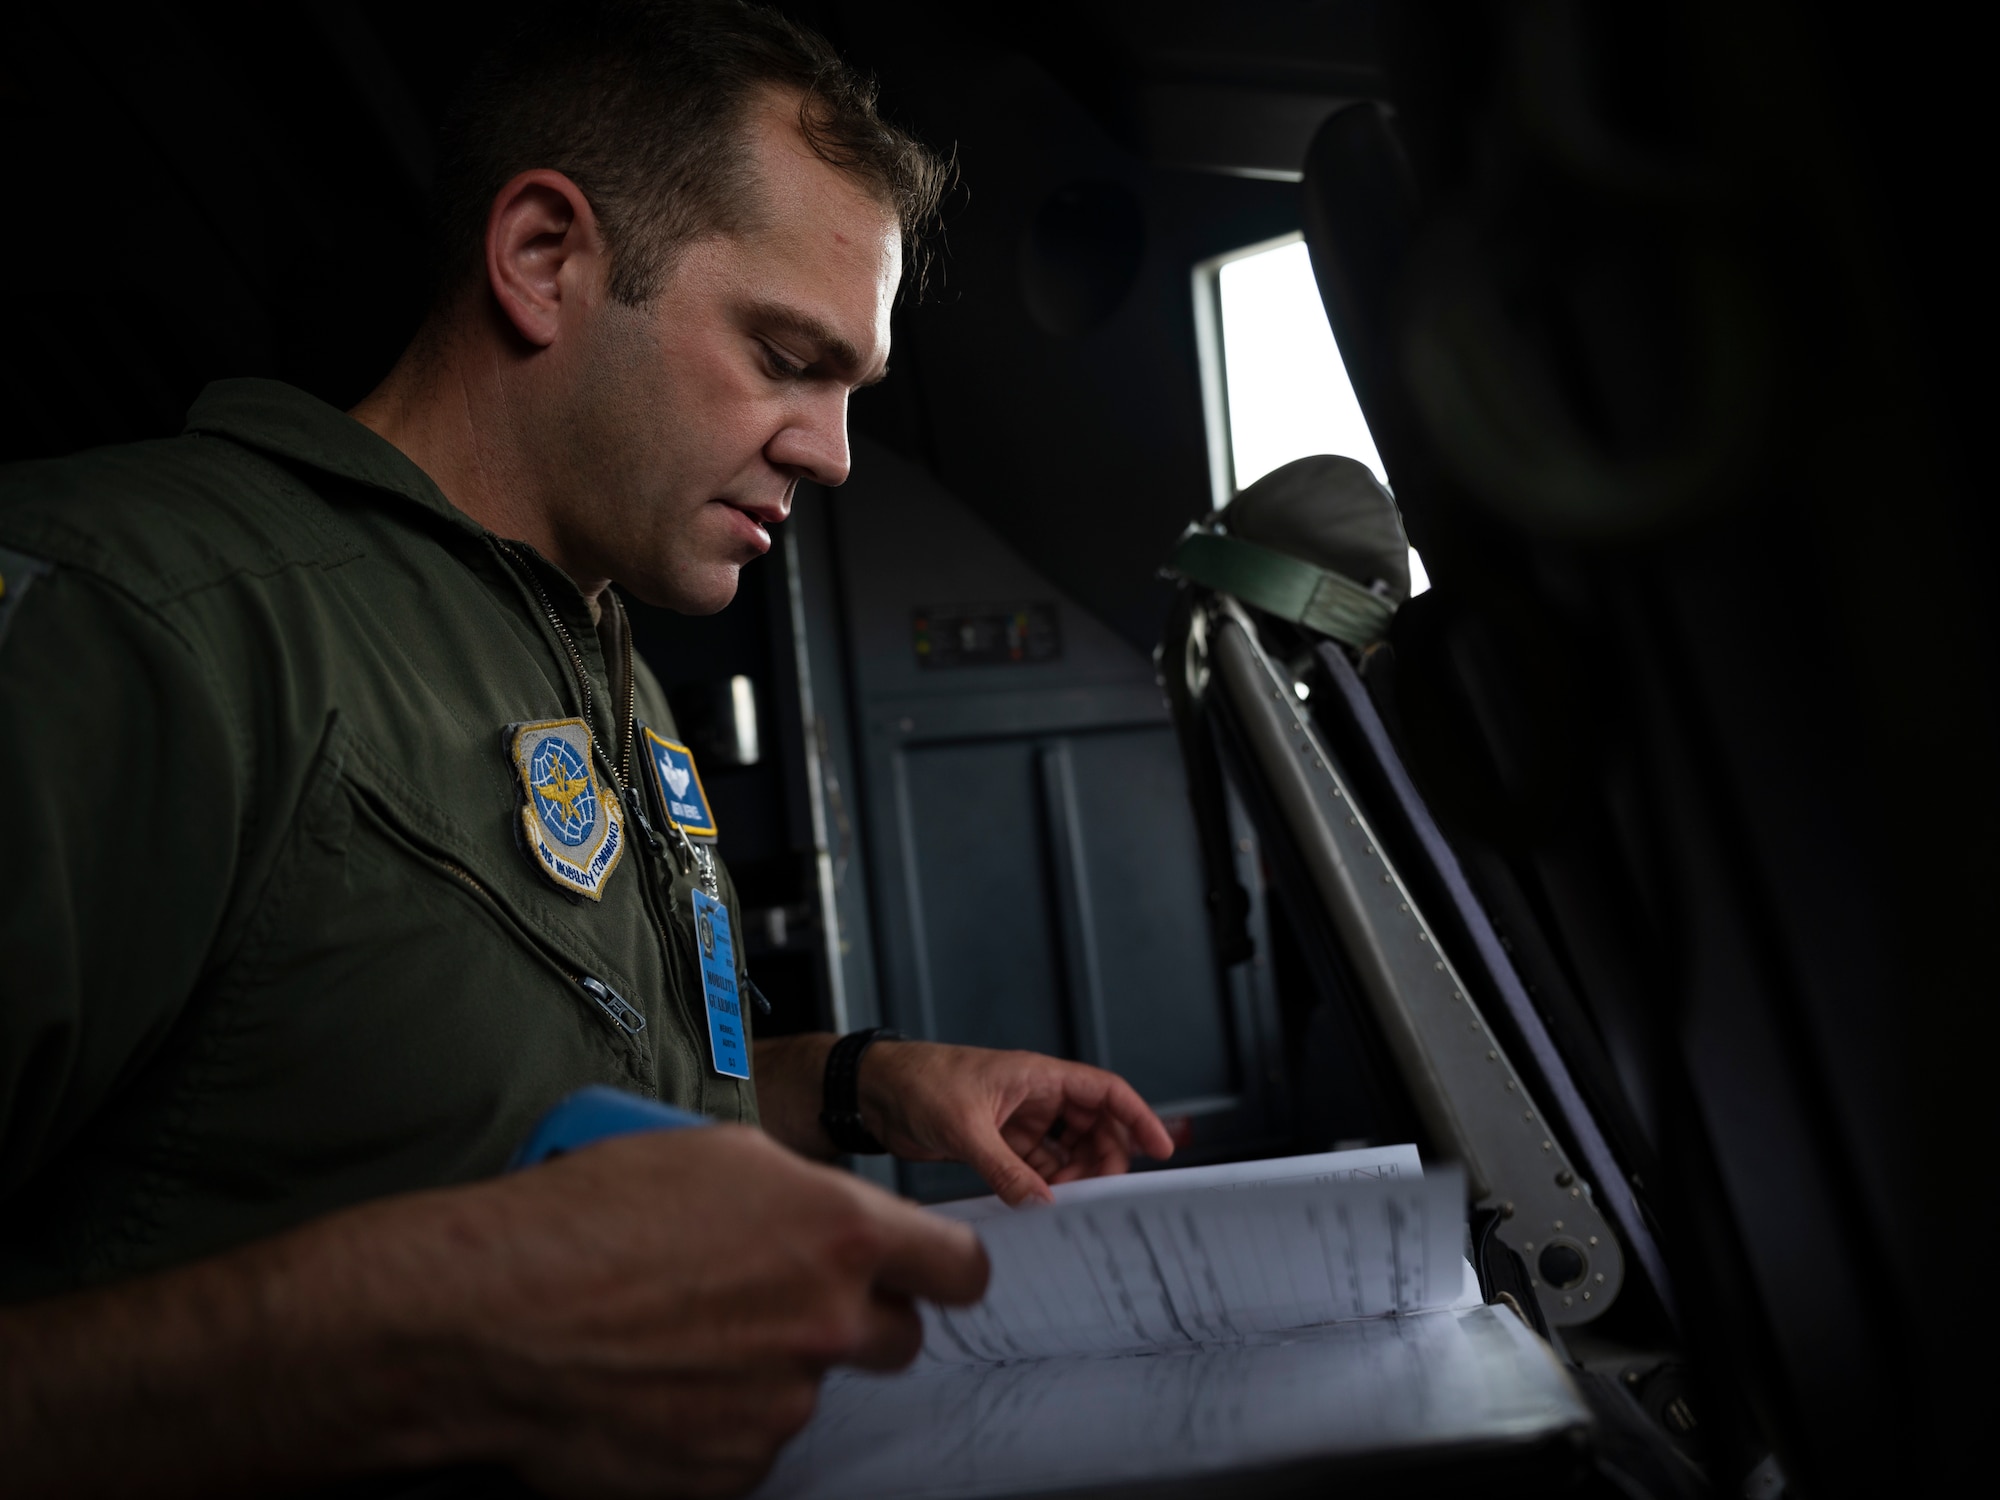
x: 1287, y: 587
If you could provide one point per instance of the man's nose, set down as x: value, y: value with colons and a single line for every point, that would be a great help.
x: 814, y: 442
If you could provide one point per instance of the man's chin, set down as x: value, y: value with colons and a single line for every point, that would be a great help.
x: 700, y: 591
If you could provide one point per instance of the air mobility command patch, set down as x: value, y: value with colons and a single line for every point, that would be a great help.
x: 680, y: 785
x: 575, y: 833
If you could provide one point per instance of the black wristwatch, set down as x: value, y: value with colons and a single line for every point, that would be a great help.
x: 840, y: 1103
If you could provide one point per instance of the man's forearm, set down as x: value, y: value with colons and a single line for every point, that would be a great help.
x: 791, y: 1076
x: 234, y: 1375
x: 647, y: 1315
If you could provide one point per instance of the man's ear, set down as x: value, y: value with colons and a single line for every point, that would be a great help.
x: 542, y: 248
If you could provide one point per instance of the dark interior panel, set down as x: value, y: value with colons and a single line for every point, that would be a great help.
x: 1032, y: 861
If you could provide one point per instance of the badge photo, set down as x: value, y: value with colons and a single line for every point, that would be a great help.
x: 574, y: 831
x: 679, y: 784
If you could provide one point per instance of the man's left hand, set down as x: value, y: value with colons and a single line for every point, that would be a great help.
x: 1023, y: 1120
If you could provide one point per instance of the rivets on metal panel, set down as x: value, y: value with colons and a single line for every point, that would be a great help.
x: 1559, y: 1223
x: 1593, y: 1239
x: 1548, y: 1145
x: 1565, y: 1177
x: 1511, y: 1085
x: 1527, y: 1114
x: 1507, y: 1210
x: 1600, y: 1274
x: 1494, y: 1057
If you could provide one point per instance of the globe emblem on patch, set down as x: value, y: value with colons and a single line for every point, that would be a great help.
x: 565, y: 798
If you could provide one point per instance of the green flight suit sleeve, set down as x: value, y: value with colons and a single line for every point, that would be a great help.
x: 123, y: 797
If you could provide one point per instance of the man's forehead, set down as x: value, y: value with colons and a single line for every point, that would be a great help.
x: 784, y: 164
x: 822, y: 251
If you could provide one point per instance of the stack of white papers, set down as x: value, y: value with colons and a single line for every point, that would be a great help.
x: 1178, y: 1323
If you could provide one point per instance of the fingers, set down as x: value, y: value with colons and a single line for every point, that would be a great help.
x: 1047, y: 1157
x: 940, y: 1260
x: 894, y: 1333
x: 1122, y: 1102
x: 1108, y: 1160
x: 1005, y: 1172
x: 1103, y: 1151
x: 1103, y: 1121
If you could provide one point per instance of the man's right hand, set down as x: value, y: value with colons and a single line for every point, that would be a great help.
x: 648, y: 1316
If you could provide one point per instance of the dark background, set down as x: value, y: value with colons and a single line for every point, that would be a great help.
x: 223, y: 191
x: 200, y: 190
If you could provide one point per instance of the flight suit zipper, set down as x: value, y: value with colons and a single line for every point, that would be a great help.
x: 631, y: 797
x: 662, y: 906
x: 613, y: 1005
x: 620, y: 774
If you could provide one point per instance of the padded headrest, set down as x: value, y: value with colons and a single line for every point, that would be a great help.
x: 1330, y: 511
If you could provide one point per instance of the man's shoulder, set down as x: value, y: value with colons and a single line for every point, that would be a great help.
x: 161, y: 520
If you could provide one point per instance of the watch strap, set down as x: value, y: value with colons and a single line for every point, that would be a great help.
x: 840, y: 1106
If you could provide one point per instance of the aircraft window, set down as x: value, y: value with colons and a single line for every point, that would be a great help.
x: 1275, y: 386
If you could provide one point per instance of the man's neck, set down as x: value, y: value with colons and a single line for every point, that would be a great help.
x: 449, y: 411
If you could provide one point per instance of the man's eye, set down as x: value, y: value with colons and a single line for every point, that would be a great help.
x: 780, y: 366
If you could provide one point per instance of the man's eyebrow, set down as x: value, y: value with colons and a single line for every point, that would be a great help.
x: 831, y: 347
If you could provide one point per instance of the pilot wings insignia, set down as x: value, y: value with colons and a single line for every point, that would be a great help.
x: 574, y: 832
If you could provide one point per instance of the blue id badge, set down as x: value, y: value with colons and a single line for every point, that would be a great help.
x: 726, y: 1043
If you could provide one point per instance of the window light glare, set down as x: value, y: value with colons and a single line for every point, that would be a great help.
x: 1288, y: 394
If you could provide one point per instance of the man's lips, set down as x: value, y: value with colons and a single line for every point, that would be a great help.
x: 749, y: 522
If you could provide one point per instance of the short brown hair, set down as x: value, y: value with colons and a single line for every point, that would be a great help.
x: 641, y: 103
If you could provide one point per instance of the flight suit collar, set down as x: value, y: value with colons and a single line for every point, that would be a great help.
x: 285, y: 422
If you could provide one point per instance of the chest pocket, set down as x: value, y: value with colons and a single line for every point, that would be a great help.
x: 393, y: 1019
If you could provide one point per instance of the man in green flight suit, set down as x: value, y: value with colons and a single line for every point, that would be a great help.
x: 335, y: 852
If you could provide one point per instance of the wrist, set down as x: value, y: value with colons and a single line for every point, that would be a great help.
x: 851, y: 1125
x: 790, y: 1070
x: 880, y: 1089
